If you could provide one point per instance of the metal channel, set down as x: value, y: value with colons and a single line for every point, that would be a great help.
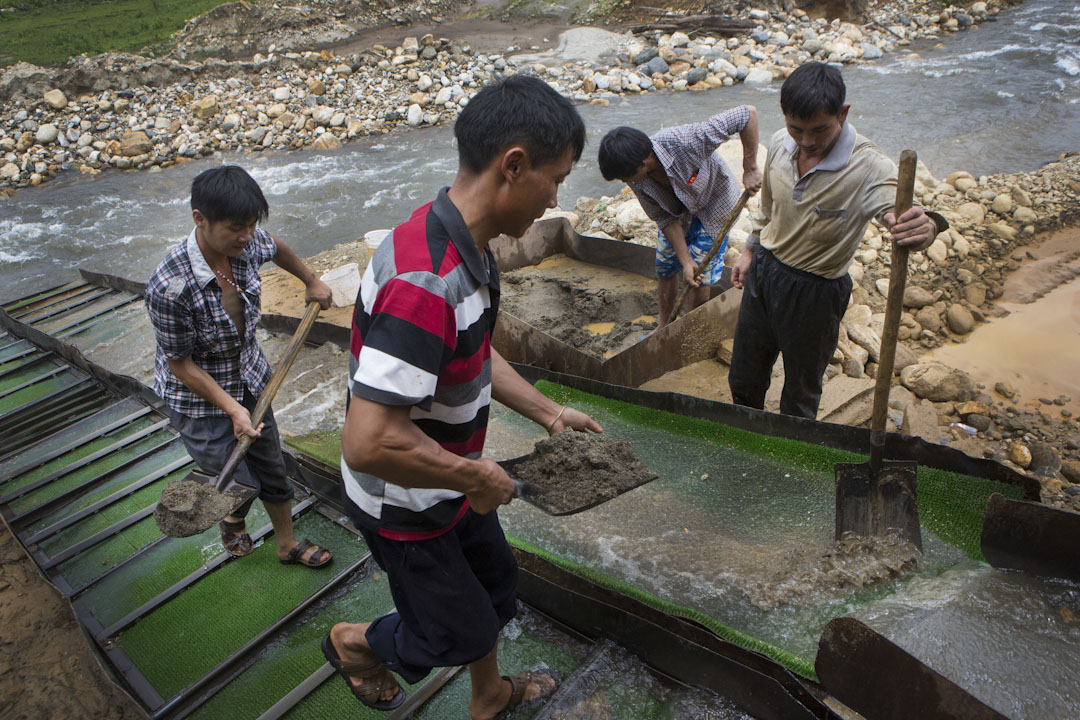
x: 66, y: 496
x: 73, y: 328
x: 163, y: 597
x: 257, y: 642
x: 298, y: 693
x: 577, y: 681
x: 12, y: 342
x: 66, y: 390
x: 425, y: 693
x: 10, y: 468
x: 29, y: 383
x: 98, y: 537
x: 52, y: 302
x: 56, y: 416
x: 82, y: 462
x: 75, y: 301
x: 120, y: 660
x: 42, y: 295
x: 1032, y: 537
x: 104, y: 502
x: 18, y: 356
x: 70, y: 592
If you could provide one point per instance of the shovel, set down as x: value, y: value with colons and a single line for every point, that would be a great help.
x: 200, y: 501
x: 536, y: 497
x: 743, y: 199
x: 875, y: 496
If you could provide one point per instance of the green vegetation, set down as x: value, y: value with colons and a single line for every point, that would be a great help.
x: 47, y: 32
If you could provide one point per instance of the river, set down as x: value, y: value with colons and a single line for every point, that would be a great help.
x: 1001, y: 97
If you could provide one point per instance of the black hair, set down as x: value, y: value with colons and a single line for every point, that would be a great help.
x: 812, y: 87
x: 622, y: 151
x: 518, y: 110
x: 228, y: 193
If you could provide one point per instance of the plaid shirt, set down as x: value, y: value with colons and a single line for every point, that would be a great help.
x: 702, y: 185
x: 183, y: 298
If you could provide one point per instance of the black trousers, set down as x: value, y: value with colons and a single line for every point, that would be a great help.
x: 453, y: 594
x: 790, y: 311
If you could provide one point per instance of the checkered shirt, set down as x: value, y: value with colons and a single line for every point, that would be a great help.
x: 702, y: 185
x: 183, y: 298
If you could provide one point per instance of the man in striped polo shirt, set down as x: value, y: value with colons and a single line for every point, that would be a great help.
x: 422, y: 373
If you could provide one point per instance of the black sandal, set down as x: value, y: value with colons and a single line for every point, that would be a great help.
x: 320, y: 557
x: 235, y: 539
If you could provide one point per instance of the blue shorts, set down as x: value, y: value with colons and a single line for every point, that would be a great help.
x: 699, y: 243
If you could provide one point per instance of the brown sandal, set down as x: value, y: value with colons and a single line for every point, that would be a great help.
x: 235, y: 539
x: 520, y: 682
x: 320, y: 557
x: 371, y: 686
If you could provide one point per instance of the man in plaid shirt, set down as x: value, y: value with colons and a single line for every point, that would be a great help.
x: 685, y: 187
x: 204, y: 304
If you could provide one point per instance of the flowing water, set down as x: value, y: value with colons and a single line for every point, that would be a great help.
x: 1004, y: 96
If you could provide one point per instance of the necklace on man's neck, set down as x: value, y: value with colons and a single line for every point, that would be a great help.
x: 226, y: 278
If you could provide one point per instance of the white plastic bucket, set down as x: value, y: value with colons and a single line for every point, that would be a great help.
x: 344, y: 281
x: 374, y: 238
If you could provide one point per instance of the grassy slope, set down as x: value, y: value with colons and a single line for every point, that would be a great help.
x: 47, y: 32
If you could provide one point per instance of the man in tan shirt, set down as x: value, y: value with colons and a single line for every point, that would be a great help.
x: 823, y: 183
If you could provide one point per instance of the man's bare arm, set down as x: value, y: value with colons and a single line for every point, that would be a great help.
x: 514, y: 391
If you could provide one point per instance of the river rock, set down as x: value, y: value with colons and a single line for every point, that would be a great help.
x: 696, y: 75
x: 920, y: 420
x: 630, y: 219
x: 56, y: 99
x: 1044, y: 459
x: 973, y: 212
x: 46, y: 134
x: 905, y: 357
x: 937, y: 382
x: 917, y: 297
x: 1070, y: 470
x: 415, y: 116
x: 870, y: 52
x: 322, y: 114
x: 281, y: 94
x: 857, y: 315
x: 937, y: 252
x: 646, y: 55
x: 975, y: 294
x: 326, y: 141
x: 1003, y: 231
x: 963, y: 20
x: 1020, y: 196
x: 135, y: 142
x: 10, y: 171
x: 961, y: 246
x: 679, y: 39
x: 960, y: 319
x: 656, y: 66
x: 205, y: 107
x: 1002, y: 204
x: 865, y: 338
x: 758, y: 78
x: 1024, y: 215
x: 1019, y: 455
x: 978, y: 9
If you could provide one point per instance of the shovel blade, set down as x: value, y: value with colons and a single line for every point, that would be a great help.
x: 869, y: 504
x: 193, y: 505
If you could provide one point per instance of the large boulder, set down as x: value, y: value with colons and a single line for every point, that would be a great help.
x: 960, y: 319
x: 917, y: 297
x: 630, y: 219
x: 205, y: 107
x: 135, y: 142
x: 937, y: 382
x: 56, y: 99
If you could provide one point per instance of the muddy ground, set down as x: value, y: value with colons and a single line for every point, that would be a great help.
x: 47, y: 670
x: 597, y: 310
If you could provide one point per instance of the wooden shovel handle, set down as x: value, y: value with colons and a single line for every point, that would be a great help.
x: 734, y: 216
x: 905, y: 190
x: 267, y: 396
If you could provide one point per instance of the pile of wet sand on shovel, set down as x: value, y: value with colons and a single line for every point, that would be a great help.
x: 188, y: 507
x: 574, y: 469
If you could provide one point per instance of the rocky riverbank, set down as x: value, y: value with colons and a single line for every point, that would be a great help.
x: 997, y: 222
x: 122, y: 111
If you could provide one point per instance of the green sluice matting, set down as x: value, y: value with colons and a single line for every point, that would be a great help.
x: 51, y: 292
x: 291, y: 658
x: 164, y: 453
x: 76, y: 454
x: 324, y: 445
x: 950, y: 504
x: 27, y: 373
x: 95, y: 561
x: 78, y: 432
x: 150, y: 574
x: 38, y: 390
x: 527, y: 642
x: 212, y: 619
x: 78, y: 314
x: 110, y: 515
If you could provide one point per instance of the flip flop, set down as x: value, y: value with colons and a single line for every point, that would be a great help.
x: 296, y: 555
x: 368, y: 688
x: 236, y: 543
x: 520, y: 682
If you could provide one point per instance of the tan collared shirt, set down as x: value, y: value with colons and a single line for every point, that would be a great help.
x: 815, y: 222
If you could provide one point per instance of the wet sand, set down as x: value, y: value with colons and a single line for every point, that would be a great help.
x: 1035, y: 347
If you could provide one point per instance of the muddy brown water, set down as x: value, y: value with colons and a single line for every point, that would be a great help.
x: 577, y: 469
x: 594, y: 309
x: 1035, y: 346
